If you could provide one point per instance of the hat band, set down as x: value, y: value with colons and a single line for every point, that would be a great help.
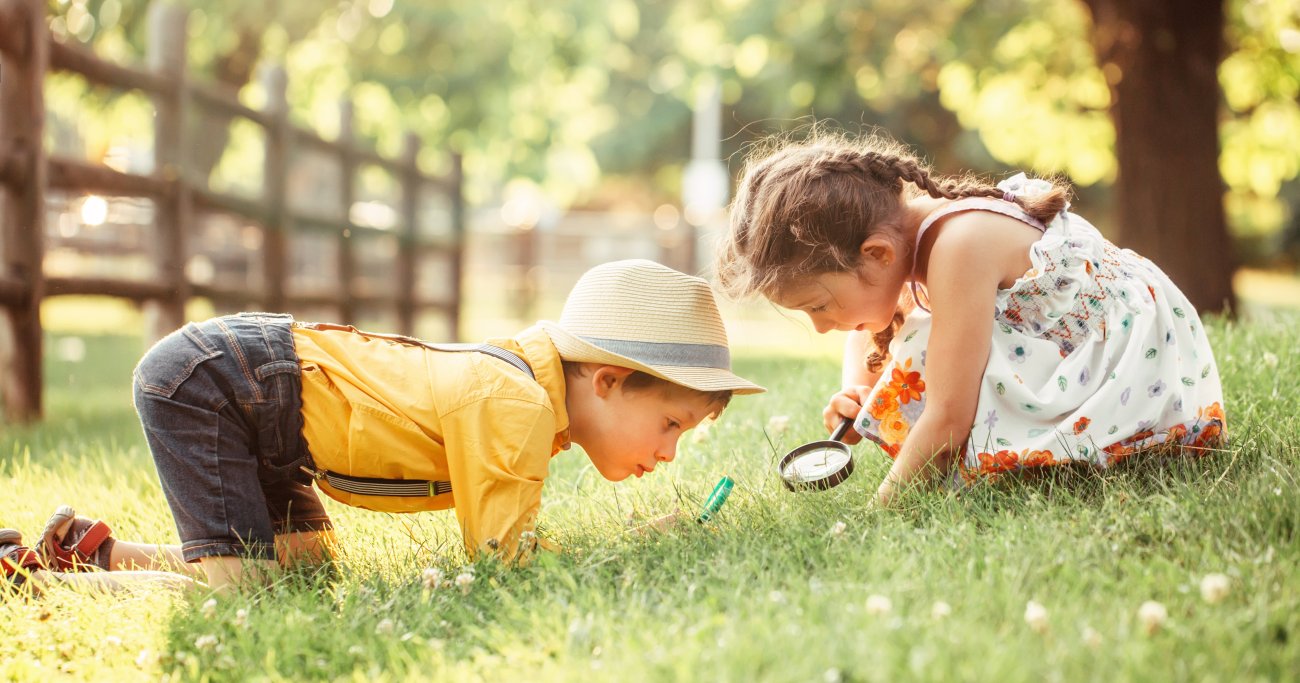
x: 667, y: 353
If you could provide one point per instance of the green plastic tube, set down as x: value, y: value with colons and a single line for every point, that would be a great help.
x: 716, y: 499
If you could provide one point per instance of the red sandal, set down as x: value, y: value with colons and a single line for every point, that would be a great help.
x: 87, y: 546
x: 17, y: 560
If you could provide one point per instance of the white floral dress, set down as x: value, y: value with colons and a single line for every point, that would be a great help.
x: 1096, y: 355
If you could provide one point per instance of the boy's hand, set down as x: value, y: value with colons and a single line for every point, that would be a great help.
x: 848, y: 403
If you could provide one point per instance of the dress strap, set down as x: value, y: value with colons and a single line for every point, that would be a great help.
x: 1001, y: 206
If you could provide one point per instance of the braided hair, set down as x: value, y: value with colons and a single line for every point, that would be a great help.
x: 804, y: 209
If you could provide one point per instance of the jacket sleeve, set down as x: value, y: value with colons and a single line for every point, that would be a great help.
x: 498, y: 452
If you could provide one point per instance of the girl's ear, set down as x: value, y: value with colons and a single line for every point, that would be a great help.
x: 607, y: 377
x: 878, y: 250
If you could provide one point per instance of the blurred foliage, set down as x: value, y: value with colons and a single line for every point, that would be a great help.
x: 570, y: 93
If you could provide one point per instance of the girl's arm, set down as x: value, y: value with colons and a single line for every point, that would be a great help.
x: 970, y: 258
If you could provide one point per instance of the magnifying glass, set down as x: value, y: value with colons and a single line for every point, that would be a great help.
x: 820, y: 464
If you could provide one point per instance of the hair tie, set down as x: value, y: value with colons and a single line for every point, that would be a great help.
x: 1006, y: 195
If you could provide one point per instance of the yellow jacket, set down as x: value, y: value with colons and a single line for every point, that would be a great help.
x: 376, y: 407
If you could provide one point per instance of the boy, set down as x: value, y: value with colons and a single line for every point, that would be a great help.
x: 243, y: 413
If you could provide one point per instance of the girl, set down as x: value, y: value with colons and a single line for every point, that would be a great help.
x: 990, y: 329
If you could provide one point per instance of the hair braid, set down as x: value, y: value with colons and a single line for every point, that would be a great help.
x: 1042, y: 207
x: 804, y: 208
x: 876, y: 359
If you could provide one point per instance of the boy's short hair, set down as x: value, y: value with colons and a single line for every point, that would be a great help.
x: 647, y: 317
x: 642, y: 381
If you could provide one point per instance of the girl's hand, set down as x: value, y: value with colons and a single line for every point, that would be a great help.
x: 845, y: 403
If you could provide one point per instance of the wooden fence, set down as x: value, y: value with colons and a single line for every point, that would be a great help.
x: 28, y: 173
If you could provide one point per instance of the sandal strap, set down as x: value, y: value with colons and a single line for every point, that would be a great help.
x: 20, y: 558
x: 82, y: 547
x: 93, y: 537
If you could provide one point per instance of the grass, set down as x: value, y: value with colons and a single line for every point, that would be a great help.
x: 766, y: 592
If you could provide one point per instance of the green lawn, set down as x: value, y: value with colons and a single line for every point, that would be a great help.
x: 766, y: 592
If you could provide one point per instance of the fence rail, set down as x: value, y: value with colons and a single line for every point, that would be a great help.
x: 28, y: 174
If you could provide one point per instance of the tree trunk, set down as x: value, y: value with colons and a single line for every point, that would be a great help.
x: 211, y: 129
x: 1161, y: 58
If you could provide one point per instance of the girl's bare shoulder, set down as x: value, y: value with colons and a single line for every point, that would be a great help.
x: 985, y: 239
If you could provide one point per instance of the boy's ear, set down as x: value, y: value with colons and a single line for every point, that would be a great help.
x: 606, y: 377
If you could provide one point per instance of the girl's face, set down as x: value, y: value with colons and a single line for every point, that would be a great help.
x: 863, y: 299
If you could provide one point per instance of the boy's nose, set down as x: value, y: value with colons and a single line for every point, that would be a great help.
x: 666, y: 455
x: 821, y: 325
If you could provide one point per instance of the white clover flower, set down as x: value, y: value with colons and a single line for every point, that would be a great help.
x: 145, y: 658
x: 940, y: 610
x: 209, y: 608
x: 1270, y: 359
x: 878, y: 605
x: 838, y: 528
x: 205, y: 642
x: 1215, y: 587
x: 776, y: 596
x: 241, y: 617
x: 1036, y: 616
x: 1152, y: 615
x: 701, y: 432
x: 832, y: 675
x: 463, y: 581
x: 431, y: 577
x: 356, y: 650
x: 1091, y: 638
x: 527, y: 541
x: 385, y: 627
x: 777, y: 424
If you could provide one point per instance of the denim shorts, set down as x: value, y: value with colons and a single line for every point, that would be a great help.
x: 221, y: 405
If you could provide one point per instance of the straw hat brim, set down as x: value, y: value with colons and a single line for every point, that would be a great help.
x: 575, y: 348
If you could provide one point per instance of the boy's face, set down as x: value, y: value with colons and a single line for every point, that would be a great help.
x: 629, y: 432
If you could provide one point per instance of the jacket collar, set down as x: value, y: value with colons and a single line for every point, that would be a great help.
x: 537, y: 348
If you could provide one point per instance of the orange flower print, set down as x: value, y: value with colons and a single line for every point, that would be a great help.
x: 891, y: 449
x: 1176, y: 434
x: 1034, y: 458
x: 907, y: 385
x: 1081, y: 424
x: 1118, y: 452
x: 1002, y: 461
x: 894, y: 429
x: 1214, y: 411
x: 1209, y: 436
x: 1140, y: 436
x: 884, y: 403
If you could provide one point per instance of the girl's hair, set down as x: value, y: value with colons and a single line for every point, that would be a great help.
x: 805, y: 208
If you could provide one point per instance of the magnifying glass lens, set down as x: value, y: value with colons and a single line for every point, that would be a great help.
x: 815, y: 464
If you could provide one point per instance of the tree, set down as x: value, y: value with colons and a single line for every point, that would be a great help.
x: 1163, y: 59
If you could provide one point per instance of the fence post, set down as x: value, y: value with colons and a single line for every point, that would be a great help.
x: 409, y: 239
x: 22, y: 116
x: 166, y: 56
x: 526, y: 284
x: 456, y: 177
x: 274, y: 175
x: 347, y: 190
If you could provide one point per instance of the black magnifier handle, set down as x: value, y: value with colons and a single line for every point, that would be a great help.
x: 841, y: 430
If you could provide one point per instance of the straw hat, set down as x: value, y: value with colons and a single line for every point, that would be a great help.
x: 646, y: 316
